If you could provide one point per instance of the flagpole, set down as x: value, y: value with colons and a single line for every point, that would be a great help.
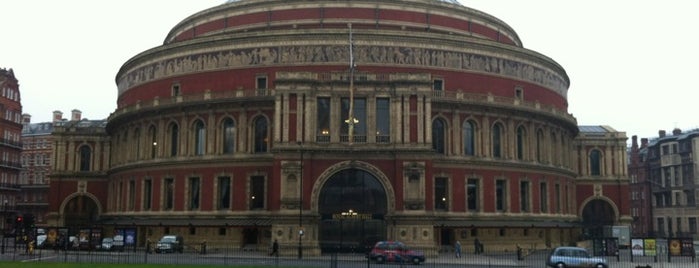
x: 350, y: 119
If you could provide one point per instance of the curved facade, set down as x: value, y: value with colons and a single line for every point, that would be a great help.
x: 235, y: 129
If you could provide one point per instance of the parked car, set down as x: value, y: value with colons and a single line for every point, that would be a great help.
x: 170, y: 243
x: 118, y: 243
x: 41, y: 241
x: 395, y: 251
x: 106, y: 244
x: 572, y: 257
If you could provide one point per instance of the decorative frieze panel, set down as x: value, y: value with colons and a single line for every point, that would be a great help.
x: 339, y: 54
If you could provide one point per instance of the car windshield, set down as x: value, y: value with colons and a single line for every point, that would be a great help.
x: 107, y: 240
x: 167, y: 239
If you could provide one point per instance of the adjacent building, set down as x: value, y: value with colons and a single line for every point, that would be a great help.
x: 333, y: 124
x: 665, y: 184
x: 10, y: 148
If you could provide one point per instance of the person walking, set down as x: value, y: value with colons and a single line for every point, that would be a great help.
x: 477, y: 246
x: 275, y: 249
x: 457, y: 249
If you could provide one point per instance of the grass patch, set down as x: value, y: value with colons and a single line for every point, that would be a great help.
x: 107, y: 265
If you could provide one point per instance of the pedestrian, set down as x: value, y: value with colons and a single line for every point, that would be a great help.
x: 275, y: 249
x: 476, y: 246
x: 457, y: 249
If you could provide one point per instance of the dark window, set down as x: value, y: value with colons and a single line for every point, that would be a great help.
x: 497, y: 141
x: 323, y: 131
x: 199, y: 138
x: 500, y: 195
x: 229, y: 138
x: 472, y: 190
x: 224, y: 192
x: 383, y: 120
x: 544, y: 200
x: 137, y: 143
x: 469, y: 138
x: 153, y: 141
x: 147, y: 194
x: 438, y: 136
x: 132, y: 194
x: 85, y: 158
x: 539, y: 146
x: 595, y: 156
x: 440, y: 193
x: 257, y: 192
x: 174, y: 139
x: 557, y: 190
x: 261, y: 82
x: 194, y: 193
x: 438, y: 85
x: 175, y: 90
x: 359, y: 113
x: 260, y: 135
x: 169, y: 193
x: 524, y: 196
x: 520, y: 143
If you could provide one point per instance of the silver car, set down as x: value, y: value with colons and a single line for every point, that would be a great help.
x: 562, y: 257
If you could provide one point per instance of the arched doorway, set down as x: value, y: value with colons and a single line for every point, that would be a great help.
x: 352, y: 205
x: 80, y: 211
x: 595, y: 215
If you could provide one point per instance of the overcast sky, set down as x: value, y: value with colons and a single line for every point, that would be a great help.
x: 629, y: 62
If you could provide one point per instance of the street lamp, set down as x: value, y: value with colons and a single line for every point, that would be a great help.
x: 300, y: 253
x: 4, y: 226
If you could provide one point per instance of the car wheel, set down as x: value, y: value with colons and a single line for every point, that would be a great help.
x: 560, y: 265
x: 416, y: 260
x: 379, y: 259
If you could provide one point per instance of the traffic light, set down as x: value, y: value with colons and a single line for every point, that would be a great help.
x: 19, y: 223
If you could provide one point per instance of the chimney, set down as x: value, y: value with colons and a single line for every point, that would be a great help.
x: 644, y: 142
x: 676, y: 131
x: 634, y: 141
x: 26, y: 119
x: 661, y: 133
x: 57, y: 116
x: 75, y: 115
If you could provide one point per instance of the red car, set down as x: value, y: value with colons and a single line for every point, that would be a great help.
x: 394, y: 251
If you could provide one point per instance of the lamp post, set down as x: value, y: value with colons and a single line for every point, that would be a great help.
x: 4, y: 225
x: 300, y: 252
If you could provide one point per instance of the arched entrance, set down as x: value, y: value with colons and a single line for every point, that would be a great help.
x: 352, y: 204
x: 80, y: 211
x: 595, y: 215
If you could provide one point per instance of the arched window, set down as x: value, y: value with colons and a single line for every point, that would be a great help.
x: 539, y: 146
x: 521, y: 140
x: 199, y: 138
x: 438, y: 136
x: 595, y: 164
x: 85, y: 157
x: 228, y: 134
x: 554, y: 149
x: 260, y: 135
x: 469, y: 132
x: 153, y: 141
x: 137, y: 144
x: 497, y: 140
x: 174, y: 138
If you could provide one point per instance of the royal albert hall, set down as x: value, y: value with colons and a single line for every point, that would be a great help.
x: 333, y: 124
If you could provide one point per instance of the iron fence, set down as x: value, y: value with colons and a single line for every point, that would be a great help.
x: 231, y: 256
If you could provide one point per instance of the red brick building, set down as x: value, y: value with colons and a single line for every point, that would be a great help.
x: 235, y: 131
x: 10, y: 148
